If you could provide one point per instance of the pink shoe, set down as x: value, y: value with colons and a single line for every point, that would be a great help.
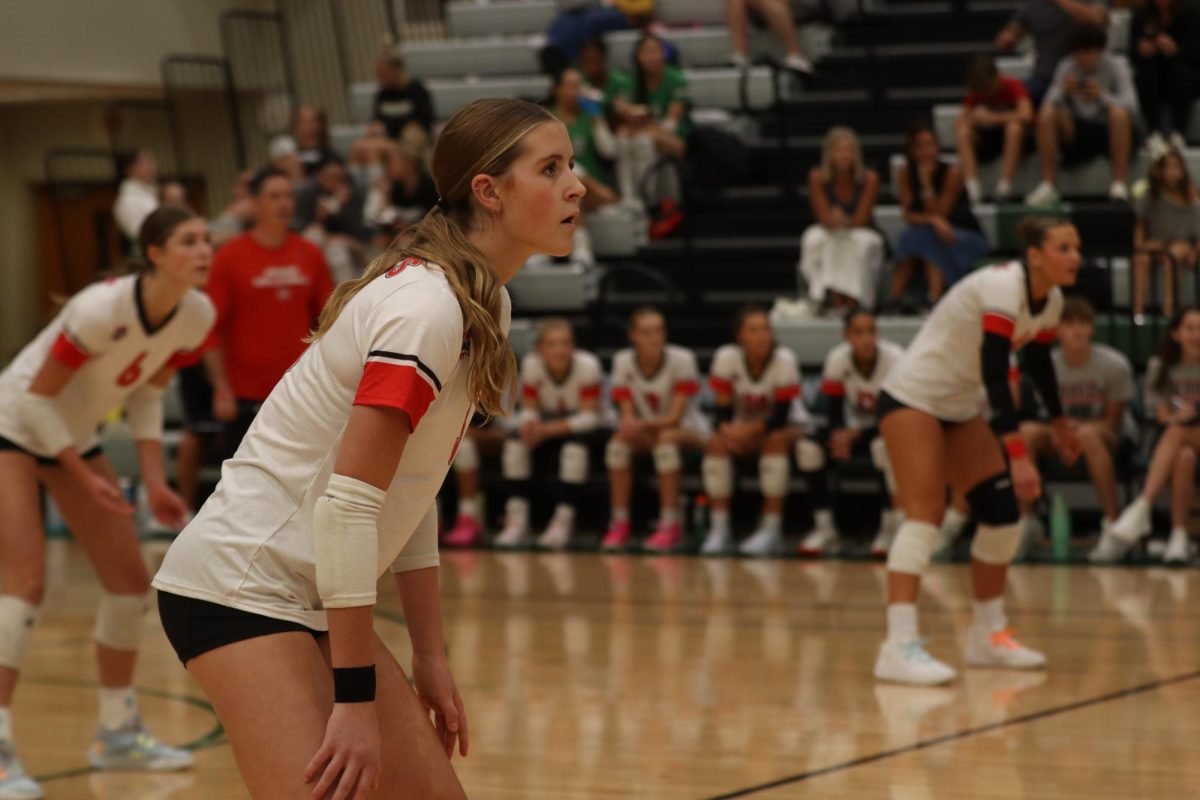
x: 666, y: 538
x: 617, y: 537
x: 466, y: 532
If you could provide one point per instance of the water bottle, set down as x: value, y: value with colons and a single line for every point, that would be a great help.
x: 1060, y: 528
x: 700, y: 515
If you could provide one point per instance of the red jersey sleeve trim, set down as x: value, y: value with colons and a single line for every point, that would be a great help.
x: 590, y: 392
x: 833, y: 388
x: 395, y: 385
x: 620, y: 393
x: 999, y: 324
x: 786, y: 394
x: 1047, y: 336
x: 529, y: 391
x: 720, y: 385
x: 67, y: 352
x: 688, y: 388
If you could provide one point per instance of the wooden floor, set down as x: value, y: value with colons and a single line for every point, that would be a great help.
x: 639, y: 677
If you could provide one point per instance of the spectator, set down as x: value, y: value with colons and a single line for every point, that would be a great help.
x: 777, y: 14
x: 284, y: 155
x: 654, y: 116
x: 403, y: 195
x: 237, y: 217
x: 1091, y: 108
x: 402, y: 104
x: 590, y: 136
x: 941, y: 231
x: 1164, y: 49
x: 269, y: 286
x: 841, y: 254
x: 330, y: 214
x: 605, y: 85
x: 137, y: 196
x: 310, y: 131
x: 1167, y: 230
x: 174, y: 194
x: 1051, y: 23
x: 577, y: 23
x: 1095, y: 383
x: 369, y: 154
x: 996, y: 115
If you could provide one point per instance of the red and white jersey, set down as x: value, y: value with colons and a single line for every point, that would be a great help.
x: 399, y: 343
x: 940, y: 371
x: 555, y: 399
x: 653, y: 395
x: 103, y: 334
x: 754, y: 396
x: 842, y: 382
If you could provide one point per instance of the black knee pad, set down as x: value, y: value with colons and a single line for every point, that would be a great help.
x: 993, y: 501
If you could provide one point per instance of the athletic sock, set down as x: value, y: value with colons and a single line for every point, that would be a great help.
x: 6, y: 725
x: 772, y: 522
x: 901, y: 622
x: 989, y: 615
x: 668, y: 516
x: 620, y: 515
x: 719, y: 521
x: 467, y: 507
x: 118, y: 707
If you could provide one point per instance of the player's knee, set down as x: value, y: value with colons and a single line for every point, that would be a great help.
x: 515, y: 461
x: 119, y: 620
x: 667, y: 458
x: 913, y: 547
x: 810, y: 456
x: 993, y: 501
x: 773, y: 475
x: 1185, y: 458
x: 717, y: 474
x: 573, y: 463
x: 18, y: 618
x: 467, y: 457
x: 618, y: 455
x: 716, y: 447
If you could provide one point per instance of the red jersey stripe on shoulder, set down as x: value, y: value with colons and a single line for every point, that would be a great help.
x: 395, y: 385
x: 1047, y: 336
x: 620, y: 393
x: 720, y: 385
x: 67, y: 352
x: 590, y: 392
x: 833, y: 388
x: 687, y: 387
x: 786, y: 394
x: 999, y: 324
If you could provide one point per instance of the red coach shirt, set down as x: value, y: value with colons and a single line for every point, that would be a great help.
x: 267, y: 301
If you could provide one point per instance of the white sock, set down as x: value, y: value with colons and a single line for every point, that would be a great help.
x: 989, y: 614
x: 1179, y: 533
x: 466, y: 507
x: 517, y: 511
x: 772, y: 523
x: 668, y: 516
x: 954, y: 521
x: 719, y: 522
x: 901, y: 621
x: 1004, y: 187
x: 564, y: 513
x: 118, y: 707
x: 620, y: 514
x: 6, y: 725
x: 823, y: 519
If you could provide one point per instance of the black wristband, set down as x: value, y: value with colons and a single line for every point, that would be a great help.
x: 354, y: 684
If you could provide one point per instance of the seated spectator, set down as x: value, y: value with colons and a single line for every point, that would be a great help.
x: 237, y: 217
x: 402, y: 103
x: 1164, y: 50
x: 310, y: 133
x: 777, y: 14
x: 369, y: 153
x: 283, y: 155
x: 1051, y: 23
x: 1167, y: 230
x: 1095, y: 383
x: 137, y: 196
x: 603, y: 85
x: 1172, y: 397
x: 402, y: 196
x: 590, y: 136
x: 942, y: 234
x: 654, y: 118
x: 1091, y: 109
x: 996, y: 115
x: 577, y: 23
x: 841, y: 253
x: 174, y: 194
x: 329, y: 212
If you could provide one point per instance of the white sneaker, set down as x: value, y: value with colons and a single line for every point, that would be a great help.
x: 882, y: 542
x: 1044, y: 195
x: 1003, y: 191
x: 1000, y: 649
x: 514, y: 534
x: 1103, y: 545
x: 909, y: 662
x: 16, y: 783
x: 738, y: 60
x: 1179, y: 548
x: 1119, y: 192
x: 974, y: 192
x: 717, y: 543
x: 1110, y: 549
x: 763, y: 542
x: 557, y: 534
x: 798, y: 63
x: 1134, y: 522
x: 819, y: 541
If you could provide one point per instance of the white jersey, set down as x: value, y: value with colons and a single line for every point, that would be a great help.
x: 103, y: 334
x: 754, y: 396
x: 397, y: 343
x: 556, y: 399
x: 940, y: 372
x: 842, y: 382
x: 652, y: 395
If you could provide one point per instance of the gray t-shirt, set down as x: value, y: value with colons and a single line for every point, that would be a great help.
x: 1086, y: 390
x: 1166, y: 220
x: 1116, y: 88
x: 1183, y: 384
x: 1051, y: 29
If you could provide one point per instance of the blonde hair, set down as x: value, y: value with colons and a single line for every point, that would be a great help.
x: 831, y: 138
x: 481, y: 138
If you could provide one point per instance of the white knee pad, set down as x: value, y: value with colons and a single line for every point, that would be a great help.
x: 809, y: 456
x: 17, y: 621
x: 773, y: 475
x: 718, y: 477
x: 119, y: 620
x: 617, y: 455
x: 667, y: 459
x: 913, y: 547
x: 996, y: 544
x: 515, y: 463
x: 573, y: 463
x: 879, y: 457
x: 467, y: 457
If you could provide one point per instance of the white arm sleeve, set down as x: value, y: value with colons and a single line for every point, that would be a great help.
x: 346, y: 542
x: 421, y: 551
x: 144, y: 409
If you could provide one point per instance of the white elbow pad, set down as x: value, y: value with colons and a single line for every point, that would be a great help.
x: 346, y: 542
x: 421, y: 551
x: 144, y: 409
x: 583, y: 421
x: 42, y: 419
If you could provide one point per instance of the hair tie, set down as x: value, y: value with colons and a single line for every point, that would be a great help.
x: 441, y: 204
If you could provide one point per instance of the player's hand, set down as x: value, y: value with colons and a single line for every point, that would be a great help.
x: 531, y: 433
x: 347, y: 765
x: 1166, y: 45
x: 439, y: 695
x: 631, y: 428
x: 837, y: 218
x: 106, y: 494
x: 167, y: 507
x: 1147, y: 47
x: 1066, y: 441
x: 841, y: 442
x: 1027, y: 484
x: 943, y: 229
x: 983, y: 116
x: 224, y: 406
x: 1070, y: 84
x: 1091, y: 89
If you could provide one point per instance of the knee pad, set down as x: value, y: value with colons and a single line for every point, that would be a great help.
x: 119, y: 620
x: 809, y: 456
x: 996, y: 544
x: 773, y: 475
x: 913, y: 547
x: 617, y: 455
x: 17, y: 621
x: 718, y: 477
x: 879, y: 457
x: 667, y: 459
x: 993, y: 501
x: 515, y: 463
x: 467, y: 457
x: 573, y: 463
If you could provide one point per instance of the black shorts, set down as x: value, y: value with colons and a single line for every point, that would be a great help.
x: 195, y: 392
x: 1091, y: 141
x: 887, y: 404
x: 6, y: 444
x: 194, y: 627
x: 990, y: 144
